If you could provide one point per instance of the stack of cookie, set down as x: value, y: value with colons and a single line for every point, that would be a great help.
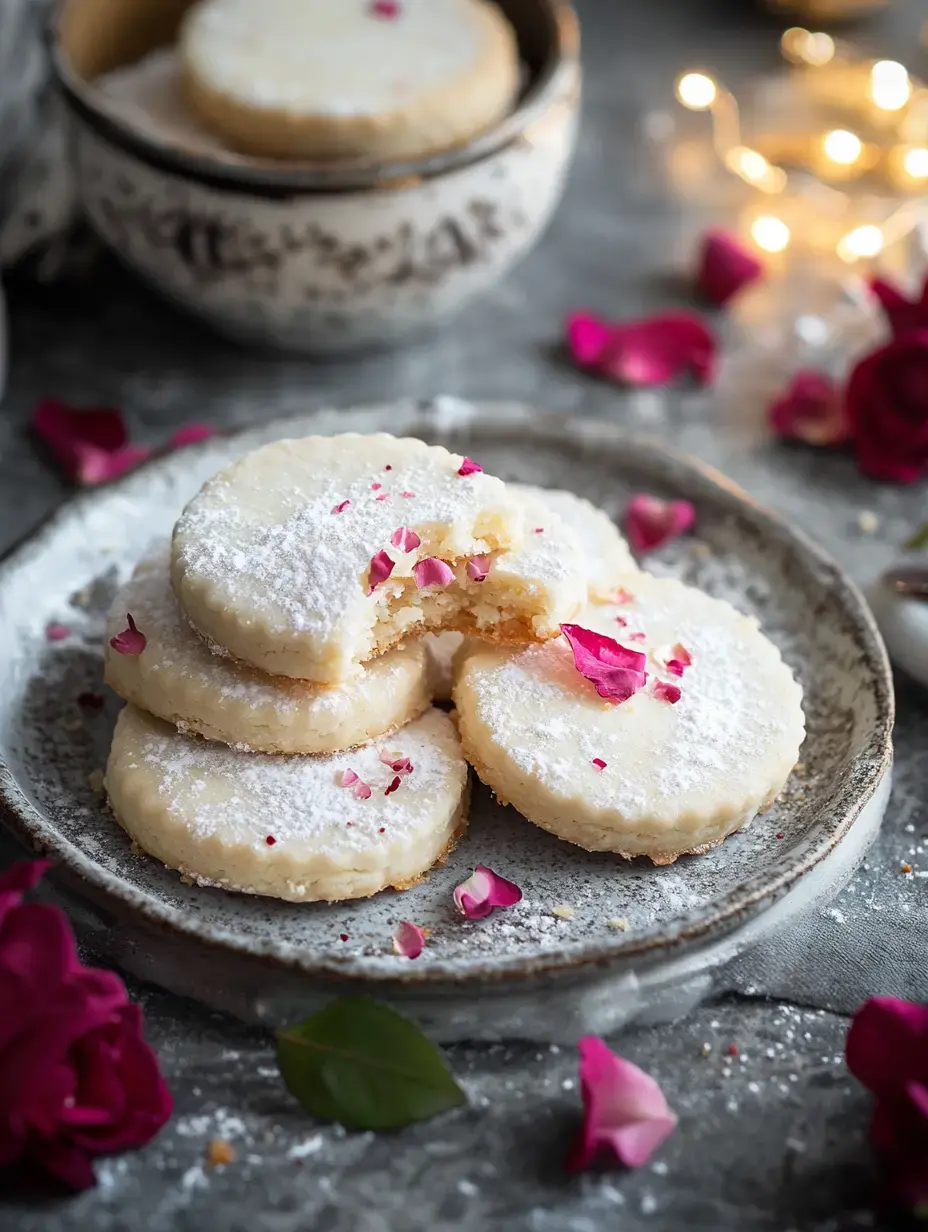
x: 279, y: 661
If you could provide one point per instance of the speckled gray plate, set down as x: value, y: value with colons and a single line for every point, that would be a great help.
x: 523, y: 971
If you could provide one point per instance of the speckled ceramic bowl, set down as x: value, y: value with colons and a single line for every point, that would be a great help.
x: 522, y: 972
x: 317, y: 257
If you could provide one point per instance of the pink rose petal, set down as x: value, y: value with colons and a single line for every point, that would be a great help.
x: 190, y: 434
x: 674, y: 666
x: 407, y: 495
x: 468, y: 467
x: 131, y: 641
x: 386, y: 10
x: 341, y: 506
x: 682, y: 655
x: 625, y: 1114
x: 653, y: 351
x: 478, y: 567
x: 599, y: 763
x: 432, y: 572
x: 408, y: 940
x: 388, y: 791
x: 482, y: 891
x: 637, y: 637
x: 405, y: 539
x: 665, y: 692
x: 725, y: 267
x: 616, y: 672
x: 90, y: 445
x: 621, y: 621
x: 375, y: 487
x: 383, y: 496
x: 346, y: 778
x: 539, y: 530
x: 362, y: 791
x: 56, y: 632
x: 396, y: 761
x: 381, y: 567
x: 622, y: 597
x: 650, y: 522
x: 811, y: 409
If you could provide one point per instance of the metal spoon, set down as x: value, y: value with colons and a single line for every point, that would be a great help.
x: 910, y: 581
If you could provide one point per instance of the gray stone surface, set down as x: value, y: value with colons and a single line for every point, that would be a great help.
x: 771, y: 1140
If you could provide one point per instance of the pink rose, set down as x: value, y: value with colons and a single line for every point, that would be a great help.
x: 887, y: 405
x: 76, y: 1076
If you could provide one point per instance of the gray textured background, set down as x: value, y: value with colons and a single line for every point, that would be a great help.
x: 772, y: 1140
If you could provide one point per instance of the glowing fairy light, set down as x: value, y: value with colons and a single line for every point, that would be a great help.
x: 890, y: 85
x: 915, y: 163
x: 696, y: 91
x: 770, y: 233
x: 862, y: 242
x: 842, y: 147
x: 804, y: 47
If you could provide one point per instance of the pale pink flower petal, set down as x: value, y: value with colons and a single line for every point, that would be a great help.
x: 341, y: 506
x: 381, y: 567
x: 478, y: 567
x: 482, y: 891
x: 131, y: 641
x: 408, y: 940
x: 615, y: 671
x: 665, y: 692
x: 405, y: 539
x: 56, y: 633
x: 625, y: 1114
x: 650, y: 522
x: 811, y: 409
x: 362, y: 791
x: 468, y: 467
x: 726, y: 265
x: 432, y: 572
x: 190, y: 434
x: 346, y: 778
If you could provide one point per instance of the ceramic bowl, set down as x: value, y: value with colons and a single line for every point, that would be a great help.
x: 316, y: 257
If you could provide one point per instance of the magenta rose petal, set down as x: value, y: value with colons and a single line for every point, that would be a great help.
x: 483, y: 891
x: 725, y: 267
x: 469, y: 467
x: 392, y: 786
x: 432, y: 572
x: 21, y: 877
x: 616, y: 672
x: 887, y: 1044
x: 405, y: 539
x: 650, y: 522
x: 658, y: 349
x: 190, y: 434
x: 408, y: 940
x: 887, y: 406
x: 381, y: 566
x: 587, y: 337
x: 665, y: 692
x: 625, y: 1113
x: 478, y: 567
x: 341, y: 506
x: 131, y: 641
x: 599, y: 763
x: 811, y: 410
x: 386, y: 10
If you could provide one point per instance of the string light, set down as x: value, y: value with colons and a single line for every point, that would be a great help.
x: 696, y: 91
x: 866, y: 241
x: 770, y: 233
x: 842, y: 147
x: 890, y: 85
x: 915, y: 163
x: 804, y: 47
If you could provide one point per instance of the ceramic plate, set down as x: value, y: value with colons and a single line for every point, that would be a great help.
x: 523, y: 971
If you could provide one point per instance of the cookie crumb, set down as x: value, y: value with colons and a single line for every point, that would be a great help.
x: 219, y: 1152
x: 619, y: 923
x: 905, y: 868
x: 563, y: 911
x: 706, y: 1049
x: 868, y: 522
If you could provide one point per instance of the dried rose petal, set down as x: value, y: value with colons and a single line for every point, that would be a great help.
x: 625, y: 1113
x: 482, y: 891
x: 387, y: 10
x: 380, y: 569
x: 674, y: 666
x: 362, y: 791
x: 383, y: 496
x: 652, y: 351
x: 405, y: 539
x: 131, y: 641
x: 811, y: 409
x: 650, y: 522
x: 90, y: 445
x: 388, y: 467
x: 637, y: 637
x: 725, y: 267
x: 407, y: 495
x: 622, y: 597
x: 190, y: 434
x: 903, y: 314
x: 346, y: 778
x: 271, y: 840
x: 616, y: 672
x: 599, y: 763
x: 408, y: 940
x: 621, y: 621
x: 388, y: 791
x: 682, y: 655
x: 432, y: 572
x: 375, y: 487
x: 396, y: 761
x: 539, y: 530
x: 56, y: 633
x: 665, y: 692
x: 478, y: 567
x: 468, y: 467
x: 341, y: 507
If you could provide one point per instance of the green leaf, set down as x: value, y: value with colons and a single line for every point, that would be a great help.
x: 919, y: 541
x: 366, y: 1066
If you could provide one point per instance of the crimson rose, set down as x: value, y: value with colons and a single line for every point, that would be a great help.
x: 887, y: 406
x: 76, y: 1076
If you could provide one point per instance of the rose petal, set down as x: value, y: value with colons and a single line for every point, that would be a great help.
x: 902, y: 313
x: 131, y: 641
x: 623, y: 597
x: 887, y: 1044
x: 432, y: 572
x: 397, y: 762
x: 682, y: 655
x: 478, y: 567
x: 381, y: 567
x: 652, y: 351
x: 625, y: 1113
x: 810, y: 409
x: 190, y: 434
x: 482, y: 891
x: 362, y: 791
x: 408, y: 940
x: 405, y: 539
x: 389, y: 790
x: 56, y: 633
x: 675, y: 667
x: 96, y: 466
x: 387, y: 10
x: 383, y: 496
x: 621, y: 621
x: 725, y: 267
x: 345, y: 778
x: 616, y: 672
x: 407, y: 495
x: 888, y: 409
x: 665, y: 692
x: 599, y: 763
x: 637, y: 637
x: 375, y: 487
x: 468, y: 467
x: 341, y: 506
x: 650, y: 522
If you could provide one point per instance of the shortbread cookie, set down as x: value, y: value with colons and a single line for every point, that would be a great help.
x: 690, y: 757
x: 177, y: 678
x: 309, y: 557
x: 299, y: 828
x: 378, y: 79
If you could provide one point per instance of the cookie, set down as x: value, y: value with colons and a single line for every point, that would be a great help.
x: 304, y: 829
x: 335, y: 79
x: 707, y: 742
x: 177, y: 678
x: 309, y: 557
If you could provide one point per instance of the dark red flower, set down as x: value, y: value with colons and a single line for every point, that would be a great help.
x: 810, y: 409
x: 902, y: 313
x: 725, y: 267
x: 77, y: 1079
x: 887, y: 406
